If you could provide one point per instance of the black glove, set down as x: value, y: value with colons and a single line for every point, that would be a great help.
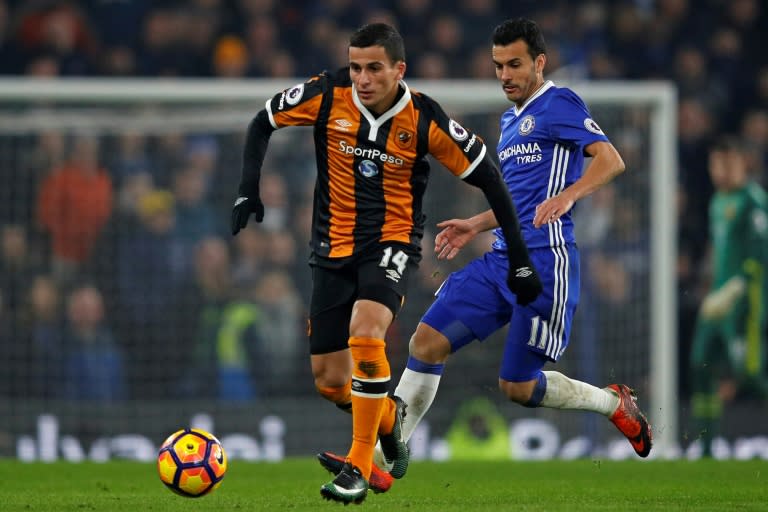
x: 244, y: 207
x: 524, y: 282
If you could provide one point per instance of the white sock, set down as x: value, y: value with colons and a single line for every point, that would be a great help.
x: 418, y: 390
x: 565, y: 393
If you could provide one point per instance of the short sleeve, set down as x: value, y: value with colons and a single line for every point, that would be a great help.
x: 573, y: 123
x: 298, y: 105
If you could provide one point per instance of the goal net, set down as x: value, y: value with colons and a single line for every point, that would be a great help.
x: 129, y: 310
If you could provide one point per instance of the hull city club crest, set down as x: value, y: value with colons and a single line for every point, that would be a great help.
x: 403, y: 138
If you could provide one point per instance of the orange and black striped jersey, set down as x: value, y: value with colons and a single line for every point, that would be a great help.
x: 371, y: 171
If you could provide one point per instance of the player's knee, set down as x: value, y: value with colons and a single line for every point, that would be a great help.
x: 370, y: 319
x: 519, y: 392
x: 429, y: 345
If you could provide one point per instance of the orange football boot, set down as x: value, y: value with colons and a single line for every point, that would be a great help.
x: 630, y: 420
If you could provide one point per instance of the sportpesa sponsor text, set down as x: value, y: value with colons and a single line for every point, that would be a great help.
x: 370, y: 153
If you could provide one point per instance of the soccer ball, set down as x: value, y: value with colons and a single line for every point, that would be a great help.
x: 191, y: 462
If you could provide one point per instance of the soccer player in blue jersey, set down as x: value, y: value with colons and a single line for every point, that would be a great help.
x: 545, y: 136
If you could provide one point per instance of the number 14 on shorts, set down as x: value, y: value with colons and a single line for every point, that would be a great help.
x: 398, y: 259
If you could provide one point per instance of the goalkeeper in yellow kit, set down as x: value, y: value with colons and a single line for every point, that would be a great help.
x: 729, y: 348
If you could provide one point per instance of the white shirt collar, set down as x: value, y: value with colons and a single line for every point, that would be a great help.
x: 542, y: 89
x: 395, y: 109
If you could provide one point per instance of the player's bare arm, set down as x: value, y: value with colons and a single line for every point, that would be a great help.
x: 606, y: 164
x: 456, y: 233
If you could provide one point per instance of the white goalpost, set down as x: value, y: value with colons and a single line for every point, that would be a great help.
x: 641, y: 333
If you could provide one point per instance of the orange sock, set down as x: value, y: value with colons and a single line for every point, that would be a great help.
x: 341, y: 395
x: 370, y: 381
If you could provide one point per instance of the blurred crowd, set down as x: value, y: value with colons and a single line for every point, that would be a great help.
x: 119, y: 277
x: 99, y: 235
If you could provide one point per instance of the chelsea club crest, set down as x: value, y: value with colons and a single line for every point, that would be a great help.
x: 527, y: 124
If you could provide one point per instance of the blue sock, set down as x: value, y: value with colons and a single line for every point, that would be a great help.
x: 422, y: 367
x: 538, y: 391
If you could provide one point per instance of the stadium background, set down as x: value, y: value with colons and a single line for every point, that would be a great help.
x: 148, y: 367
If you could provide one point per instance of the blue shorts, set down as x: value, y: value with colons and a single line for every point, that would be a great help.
x: 475, y: 301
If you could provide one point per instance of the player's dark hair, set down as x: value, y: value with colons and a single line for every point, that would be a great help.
x: 380, y: 34
x: 521, y: 28
x: 727, y: 143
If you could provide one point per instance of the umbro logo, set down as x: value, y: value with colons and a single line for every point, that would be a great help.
x: 394, y: 275
x: 523, y: 272
x: 343, y: 124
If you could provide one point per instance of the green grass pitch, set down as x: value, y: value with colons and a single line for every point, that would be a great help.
x: 294, y: 485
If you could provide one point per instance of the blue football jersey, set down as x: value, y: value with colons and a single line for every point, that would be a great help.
x: 541, y: 152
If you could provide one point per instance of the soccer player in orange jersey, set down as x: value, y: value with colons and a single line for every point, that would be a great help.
x: 372, y: 136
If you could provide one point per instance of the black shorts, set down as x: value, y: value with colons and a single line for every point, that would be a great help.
x: 380, y: 275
